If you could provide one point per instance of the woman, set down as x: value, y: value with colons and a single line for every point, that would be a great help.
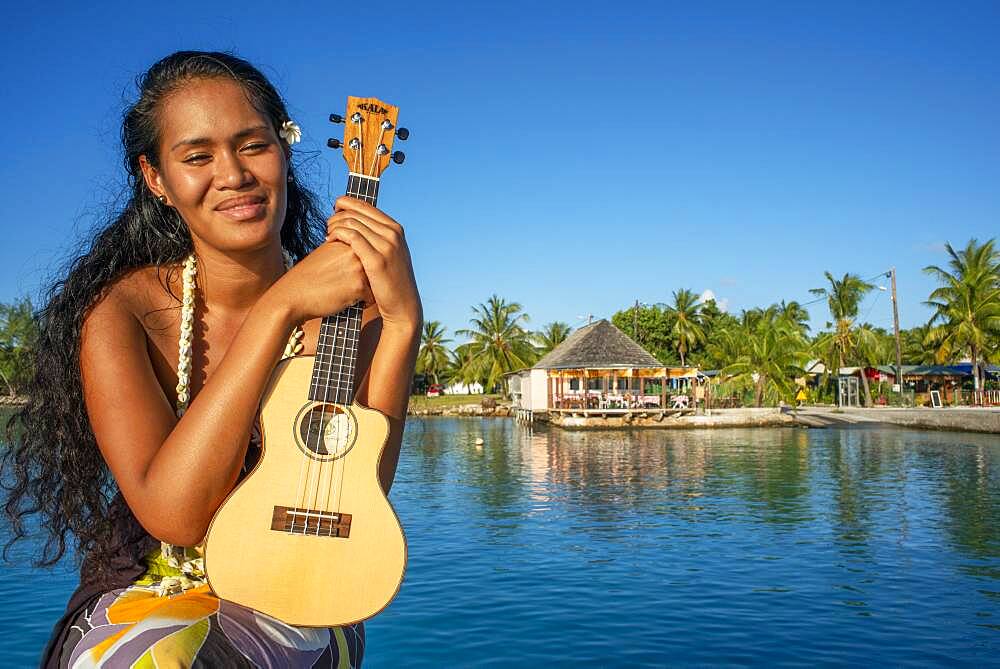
x: 131, y: 440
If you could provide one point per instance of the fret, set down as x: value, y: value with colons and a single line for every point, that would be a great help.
x: 346, y: 340
x: 339, y: 352
x: 326, y: 366
x: 331, y: 370
x: 363, y: 187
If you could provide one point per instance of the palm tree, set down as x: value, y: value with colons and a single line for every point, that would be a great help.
x: 771, y: 355
x: 551, y: 336
x: 433, y: 357
x: 794, y: 314
x: 843, y: 296
x: 915, y: 352
x: 462, y: 366
x: 726, y: 344
x: 498, y: 343
x: 687, y: 331
x: 845, y: 341
x: 967, y: 305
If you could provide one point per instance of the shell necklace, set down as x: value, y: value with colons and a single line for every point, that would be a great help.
x: 292, y: 347
x: 189, y: 562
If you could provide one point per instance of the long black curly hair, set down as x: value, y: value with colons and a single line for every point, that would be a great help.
x: 52, y: 466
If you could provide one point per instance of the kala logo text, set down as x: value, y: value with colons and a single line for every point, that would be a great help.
x: 374, y: 109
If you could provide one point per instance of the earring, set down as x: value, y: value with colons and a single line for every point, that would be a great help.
x: 290, y: 178
x: 162, y: 199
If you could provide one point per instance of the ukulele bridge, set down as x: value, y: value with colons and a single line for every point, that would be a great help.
x: 294, y: 520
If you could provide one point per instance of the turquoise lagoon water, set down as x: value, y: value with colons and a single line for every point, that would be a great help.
x: 649, y: 548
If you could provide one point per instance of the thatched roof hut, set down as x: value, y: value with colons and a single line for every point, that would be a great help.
x: 598, y: 367
x: 598, y: 345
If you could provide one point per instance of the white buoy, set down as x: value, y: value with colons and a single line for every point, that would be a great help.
x: 479, y: 441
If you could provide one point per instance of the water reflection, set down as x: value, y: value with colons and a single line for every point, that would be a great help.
x: 858, y: 484
x: 647, y: 547
x: 798, y: 532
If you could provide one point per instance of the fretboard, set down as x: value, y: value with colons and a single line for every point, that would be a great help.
x: 337, y: 347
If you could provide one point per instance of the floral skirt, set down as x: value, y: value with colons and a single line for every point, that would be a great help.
x: 140, y: 626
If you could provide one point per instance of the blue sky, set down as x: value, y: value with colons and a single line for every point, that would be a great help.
x: 573, y: 157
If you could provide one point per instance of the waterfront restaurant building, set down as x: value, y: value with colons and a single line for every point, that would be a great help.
x: 598, y: 367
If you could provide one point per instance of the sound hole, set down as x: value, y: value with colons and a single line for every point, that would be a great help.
x: 326, y: 431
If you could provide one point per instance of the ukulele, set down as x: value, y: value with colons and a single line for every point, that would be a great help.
x: 309, y: 537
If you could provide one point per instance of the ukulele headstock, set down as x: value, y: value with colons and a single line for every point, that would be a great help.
x: 369, y: 131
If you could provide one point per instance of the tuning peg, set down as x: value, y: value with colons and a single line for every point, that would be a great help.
x: 402, y: 133
x: 398, y: 157
x: 333, y: 143
x: 336, y: 118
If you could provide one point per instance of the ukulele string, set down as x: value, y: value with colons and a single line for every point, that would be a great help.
x: 306, y: 467
x: 355, y: 312
x: 310, y: 420
x: 332, y: 432
x: 325, y: 360
x: 375, y: 155
x: 337, y: 329
x: 352, y: 311
x: 358, y: 158
x: 342, y: 387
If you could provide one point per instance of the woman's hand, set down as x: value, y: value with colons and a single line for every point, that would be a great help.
x: 378, y: 242
x: 325, y: 282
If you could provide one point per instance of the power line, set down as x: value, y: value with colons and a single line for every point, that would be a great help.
x: 878, y: 295
x: 823, y: 298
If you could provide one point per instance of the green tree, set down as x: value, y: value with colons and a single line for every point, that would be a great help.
x: 433, y: 358
x: 794, y: 314
x: 649, y: 326
x: 966, y: 318
x: 914, y: 351
x: 499, y: 343
x: 767, y: 353
x: 551, y: 336
x: 686, y: 332
x: 718, y: 326
x: 18, y: 338
x: 846, y: 342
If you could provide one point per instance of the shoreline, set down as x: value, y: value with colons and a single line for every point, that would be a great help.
x: 954, y: 419
x: 983, y: 420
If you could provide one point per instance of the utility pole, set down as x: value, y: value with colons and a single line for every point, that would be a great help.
x: 895, y: 325
x: 635, y: 322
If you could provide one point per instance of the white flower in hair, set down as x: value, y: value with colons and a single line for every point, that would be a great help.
x: 290, y: 132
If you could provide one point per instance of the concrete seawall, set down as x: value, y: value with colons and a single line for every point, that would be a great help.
x: 981, y: 419
x: 751, y: 417
x: 985, y: 420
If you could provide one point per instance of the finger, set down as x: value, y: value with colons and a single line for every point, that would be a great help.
x: 361, y: 207
x: 384, y: 245
x: 392, y: 232
x: 371, y: 259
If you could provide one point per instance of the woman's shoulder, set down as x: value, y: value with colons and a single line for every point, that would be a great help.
x: 145, y: 295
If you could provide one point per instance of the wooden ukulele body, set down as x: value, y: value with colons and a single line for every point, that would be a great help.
x: 344, y: 559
